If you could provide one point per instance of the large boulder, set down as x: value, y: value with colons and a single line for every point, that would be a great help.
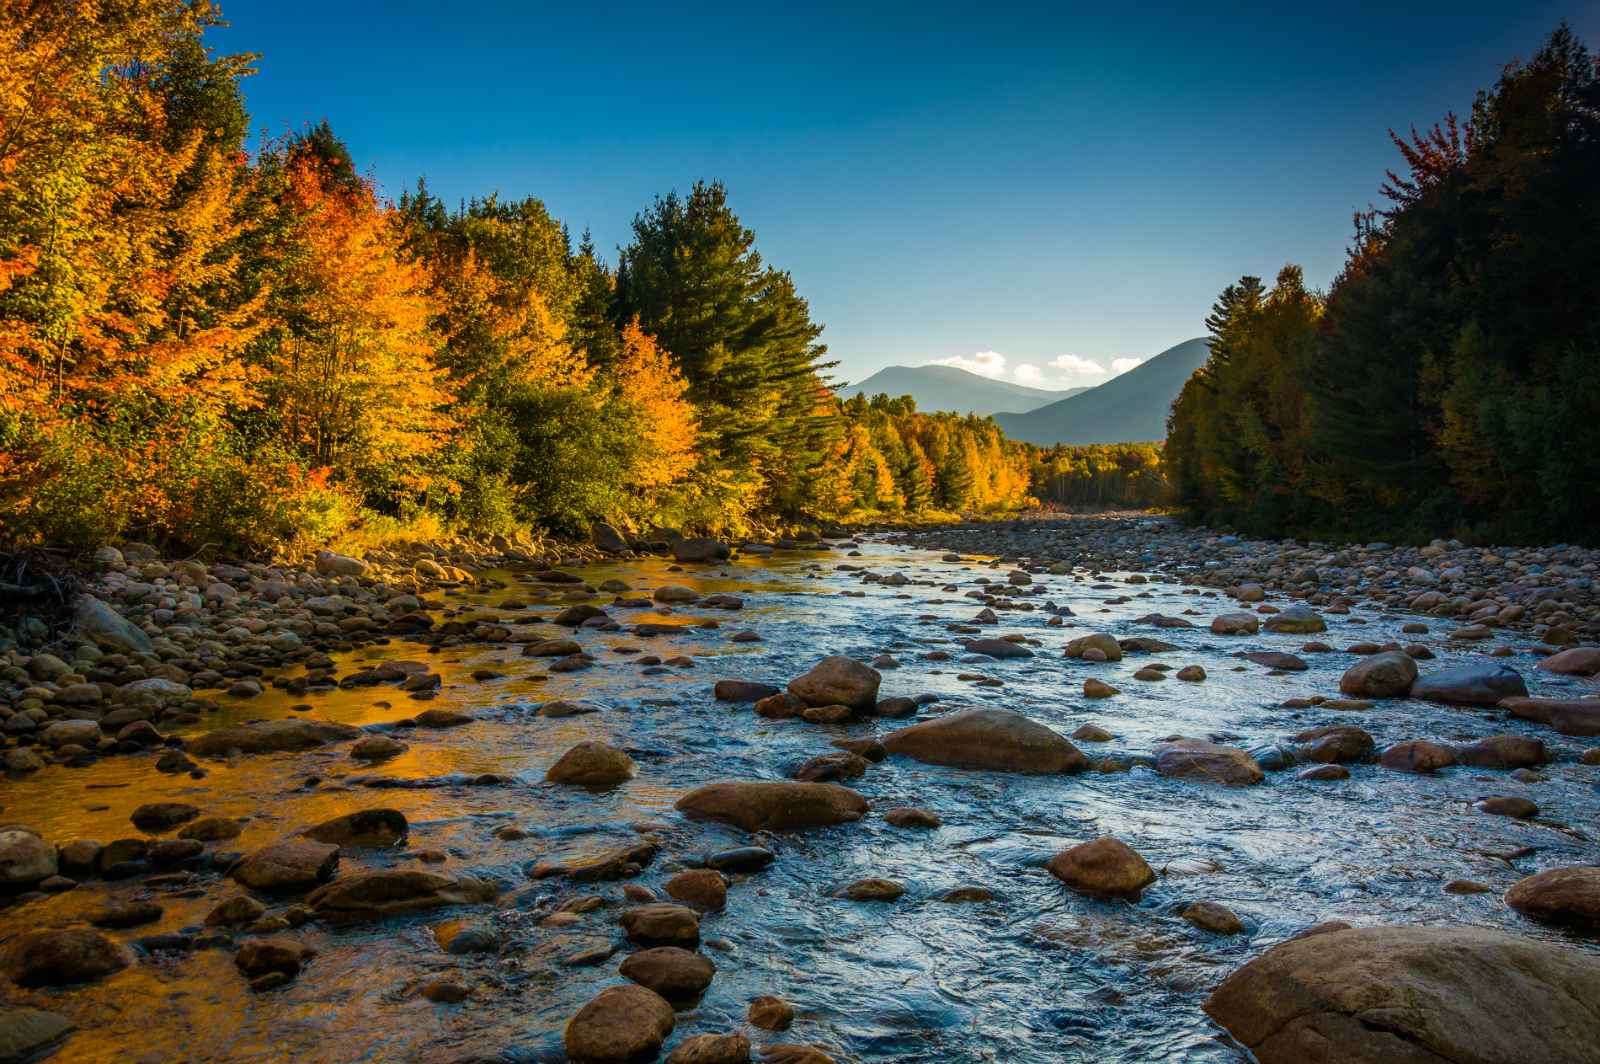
x: 30, y: 1034
x: 1296, y: 620
x: 995, y: 740
x: 592, y: 764
x: 61, y: 957
x: 332, y: 563
x: 838, y: 681
x: 608, y: 538
x: 110, y: 629
x: 287, y: 867
x: 1104, y: 868
x: 25, y: 858
x: 619, y: 1024
x: 773, y: 806
x: 395, y: 890
x: 1478, y: 684
x: 1387, y: 675
x: 1413, y: 995
x: 1578, y: 661
x: 700, y: 549
x: 290, y: 734
x: 376, y: 829
x: 1197, y: 759
x: 1559, y: 896
x: 1569, y: 716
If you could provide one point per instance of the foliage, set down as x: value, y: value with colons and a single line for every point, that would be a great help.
x: 1450, y: 380
x: 1127, y: 476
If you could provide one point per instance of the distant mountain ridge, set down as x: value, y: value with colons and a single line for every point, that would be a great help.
x: 1129, y: 408
x: 956, y: 390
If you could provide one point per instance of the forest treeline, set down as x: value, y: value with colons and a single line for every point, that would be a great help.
x: 1449, y: 381
x: 205, y: 344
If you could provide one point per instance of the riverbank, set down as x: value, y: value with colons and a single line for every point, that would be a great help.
x: 438, y: 805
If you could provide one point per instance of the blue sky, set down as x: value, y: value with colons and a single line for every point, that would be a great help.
x: 1034, y: 192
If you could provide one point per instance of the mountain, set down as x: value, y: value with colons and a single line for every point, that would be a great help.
x: 1125, y: 409
x: 949, y: 388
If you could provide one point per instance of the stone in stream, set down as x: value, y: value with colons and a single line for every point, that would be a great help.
x: 1235, y: 624
x: 592, y: 764
x: 770, y: 1013
x: 676, y: 594
x: 700, y: 549
x: 662, y: 924
x: 278, y: 956
x: 987, y: 739
x: 1569, y: 716
x: 155, y: 817
x: 562, y: 708
x: 1470, y: 685
x: 1503, y: 751
x: 897, y: 708
x: 912, y: 817
x: 1560, y: 896
x: 366, y: 828
x: 998, y: 648
x: 1387, y: 675
x: 672, y: 972
x: 212, y: 829
x: 1296, y: 620
x: 31, y: 1034
x: 622, y: 862
x: 1104, y: 868
x: 61, y: 957
x: 442, y: 718
x: 704, y: 888
x: 871, y: 890
x: 1275, y: 659
x: 25, y: 858
x: 1099, y: 641
x: 1507, y: 805
x: 742, y: 691
x: 730, y: 1048
x: 781, y: 706
x: 287, y: 867
x: 366, y: 895
x: 1214, y: 917
x: 574, y: 616
x: 842, y: 765
x: 759, y: 805
x: 1191, y: 674
x: 291, y: 734
x: 238, y: 911
x: 619, y: 1025
x: 1093, y: 688
x: 377, y: 748
x: 124, y: 914
x: 1208, y: 762
x: 1334, y: 744
x: 1417, y: 755
x: 1578, y: 661
x: 1413, y: 995
x: 838, y: 680
x: 740, y: 859
x: 552, y: 648
x: 109, y: 629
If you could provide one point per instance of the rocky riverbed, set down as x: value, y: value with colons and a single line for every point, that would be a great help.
x: 1074, y: 789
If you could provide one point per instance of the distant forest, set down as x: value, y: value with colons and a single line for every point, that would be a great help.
x: 1449, y: 381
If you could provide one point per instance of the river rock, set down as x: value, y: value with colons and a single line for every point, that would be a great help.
x: 592, y: 764
x: 872, y: 890
x: 700, y: 549
x: 1503, y: 751
x: 1569, y: 716
x: 619, y: 1025
x: 1386, y: 675
x: 998, y: 648
x: 1335, y: 744
x: 1236, y: 624
x: 395, y: 890
x: 25, y: 858
x: 260, y: 956
x: 742, y: 691
x: 377, y: 829
x: 670, y: 971
x: 838, y: 680
x: 760, y: 805
x: 31, y: 1034
x: 1507, y: 805
x: 704, y: 888
x: 912, y: 817
x: 1413, y: 995
x: 1099, y: 641
x: 1104, y: 868
x: 1578, y: 661
x: 377, y: 748
x: 1213, y: 917
x: 995, y: 740
x: 108, y: 628
x: 730, y: 1048
x: 1478, y: 684
x: 770, y: 1013
x: 662, y: 924
x: 1296, y: 620
x: 1417, y: 755
x: 287, y: 867
x: 155, y: 817
x: 61, y: 957
x: 290, y: 734
x: 1208, y: 762
x: 1560, y: 896
x: 332, y: 563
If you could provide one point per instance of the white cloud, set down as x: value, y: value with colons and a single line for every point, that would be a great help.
x: 1072, y: 366
x: 985, y: 363
x: 1028, y: 373
x: 1123, y: 365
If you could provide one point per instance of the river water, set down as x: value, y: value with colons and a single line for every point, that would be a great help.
x: 1037, y: 974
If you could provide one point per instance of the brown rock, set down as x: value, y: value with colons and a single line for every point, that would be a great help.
x: 619, y: 1024
x: 774, y: 806
x: 704, y: 888
x: 987, y: 739
x: 592, y: 764
x: 1209, y: 762
x: 1560, y: 896
x: 731, y: 1048
x: 1388, y: 675
x: 1417, y: 755
x: 661, y: 924
x: 770, y: 1013
x: 1104, y: 868
x: 838, y: 680
x: 287, y: 867
x: 672, y: 972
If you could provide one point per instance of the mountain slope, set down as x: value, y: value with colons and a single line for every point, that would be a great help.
x: 948, y: 388
x: 1125, y: 409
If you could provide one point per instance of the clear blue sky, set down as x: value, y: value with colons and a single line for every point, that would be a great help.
x: 941, y: 180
